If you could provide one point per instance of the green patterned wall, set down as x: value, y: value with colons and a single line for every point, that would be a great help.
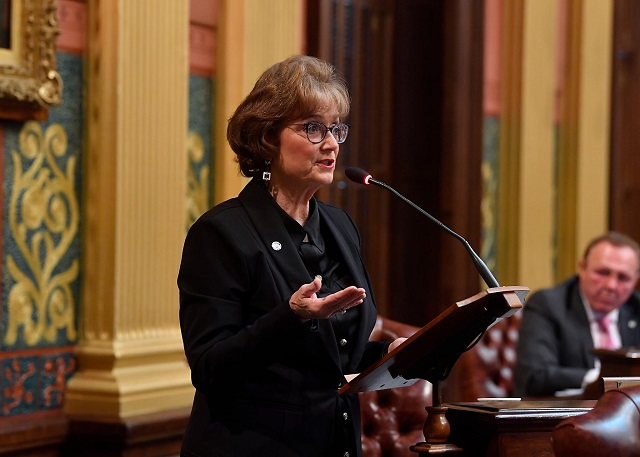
x: 199, y: 147
x: 41, y: 251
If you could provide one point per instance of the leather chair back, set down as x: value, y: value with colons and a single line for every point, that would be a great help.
x: 611, y: 428
x: 486, y: 370
x: 393, y: 419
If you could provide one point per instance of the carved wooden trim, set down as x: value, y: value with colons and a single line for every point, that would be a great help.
x: 29, y: 82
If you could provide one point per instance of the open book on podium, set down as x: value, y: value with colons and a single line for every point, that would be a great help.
x: 433, y: 350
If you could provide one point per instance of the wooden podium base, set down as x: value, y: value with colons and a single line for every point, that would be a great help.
x: 436, y: 431
x: 510, y: 428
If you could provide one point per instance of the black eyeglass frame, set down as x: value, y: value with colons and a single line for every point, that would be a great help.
x: 326, y: 128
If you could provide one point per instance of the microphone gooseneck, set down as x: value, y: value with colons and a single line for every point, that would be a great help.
x: 360, y: 176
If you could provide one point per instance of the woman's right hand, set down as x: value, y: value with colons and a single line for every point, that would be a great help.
x: 306, y: 305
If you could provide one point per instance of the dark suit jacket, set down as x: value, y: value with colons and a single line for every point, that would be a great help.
x: 265, y: 383
x: 555, y: 344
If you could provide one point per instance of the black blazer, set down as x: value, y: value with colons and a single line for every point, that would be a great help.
x: 555, y: 343
x: 265, y: 383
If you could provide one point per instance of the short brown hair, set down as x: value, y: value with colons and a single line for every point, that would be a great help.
x: 288, y: 91
x: 616, y: 239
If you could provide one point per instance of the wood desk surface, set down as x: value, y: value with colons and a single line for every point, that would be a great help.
x: 510, y: 428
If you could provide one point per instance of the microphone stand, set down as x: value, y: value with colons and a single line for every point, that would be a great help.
x: 482, y: 268
x: 436, y: 428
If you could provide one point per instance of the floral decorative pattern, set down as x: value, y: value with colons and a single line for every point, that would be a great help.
x: 44, y: 218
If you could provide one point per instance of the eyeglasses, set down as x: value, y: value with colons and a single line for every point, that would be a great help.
x: 317, y: 131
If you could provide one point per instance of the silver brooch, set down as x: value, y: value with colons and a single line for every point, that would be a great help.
x: 276, y: 246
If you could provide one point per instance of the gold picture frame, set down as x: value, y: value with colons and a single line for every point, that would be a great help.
x: 29, y: 82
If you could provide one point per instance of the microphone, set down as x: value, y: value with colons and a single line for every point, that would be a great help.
x: 360, y: 176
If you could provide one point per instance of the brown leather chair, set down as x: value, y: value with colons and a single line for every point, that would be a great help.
x: 611, y: 428
x: 393, y: 419
x: 486, y: 370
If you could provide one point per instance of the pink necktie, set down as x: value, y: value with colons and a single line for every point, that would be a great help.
x: 606, y: 342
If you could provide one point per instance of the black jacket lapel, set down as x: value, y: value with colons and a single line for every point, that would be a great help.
x: 269, y: 227
x: 290, y: 271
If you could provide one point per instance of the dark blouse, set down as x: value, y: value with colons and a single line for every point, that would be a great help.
x: 321, y: 256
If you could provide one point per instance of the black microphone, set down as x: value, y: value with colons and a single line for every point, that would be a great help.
x: 362, y: 177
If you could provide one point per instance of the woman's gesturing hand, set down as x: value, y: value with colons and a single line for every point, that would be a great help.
x: 397, y: 342
x: 306, y: 304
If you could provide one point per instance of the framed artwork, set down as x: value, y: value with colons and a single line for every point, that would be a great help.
x: 29, y: 82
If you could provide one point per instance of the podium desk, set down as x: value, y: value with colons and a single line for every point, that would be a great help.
x: 509, y: 428
x: 619, y: 362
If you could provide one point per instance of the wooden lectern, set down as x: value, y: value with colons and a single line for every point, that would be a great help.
x: 618, y: 368
x: 433, y: 350
x: 619, y: 362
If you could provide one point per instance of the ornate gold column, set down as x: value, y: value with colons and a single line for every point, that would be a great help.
x: 527, y: 143
x: 508, y: 226
x: 131, y: 360
x: 584, y: 136
x: 537, y: 143
x: 594, y: 124
x: 546, y: 220
x: 253, y: 34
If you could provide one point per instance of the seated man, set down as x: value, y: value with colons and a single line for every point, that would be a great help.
x: 597, y: 308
